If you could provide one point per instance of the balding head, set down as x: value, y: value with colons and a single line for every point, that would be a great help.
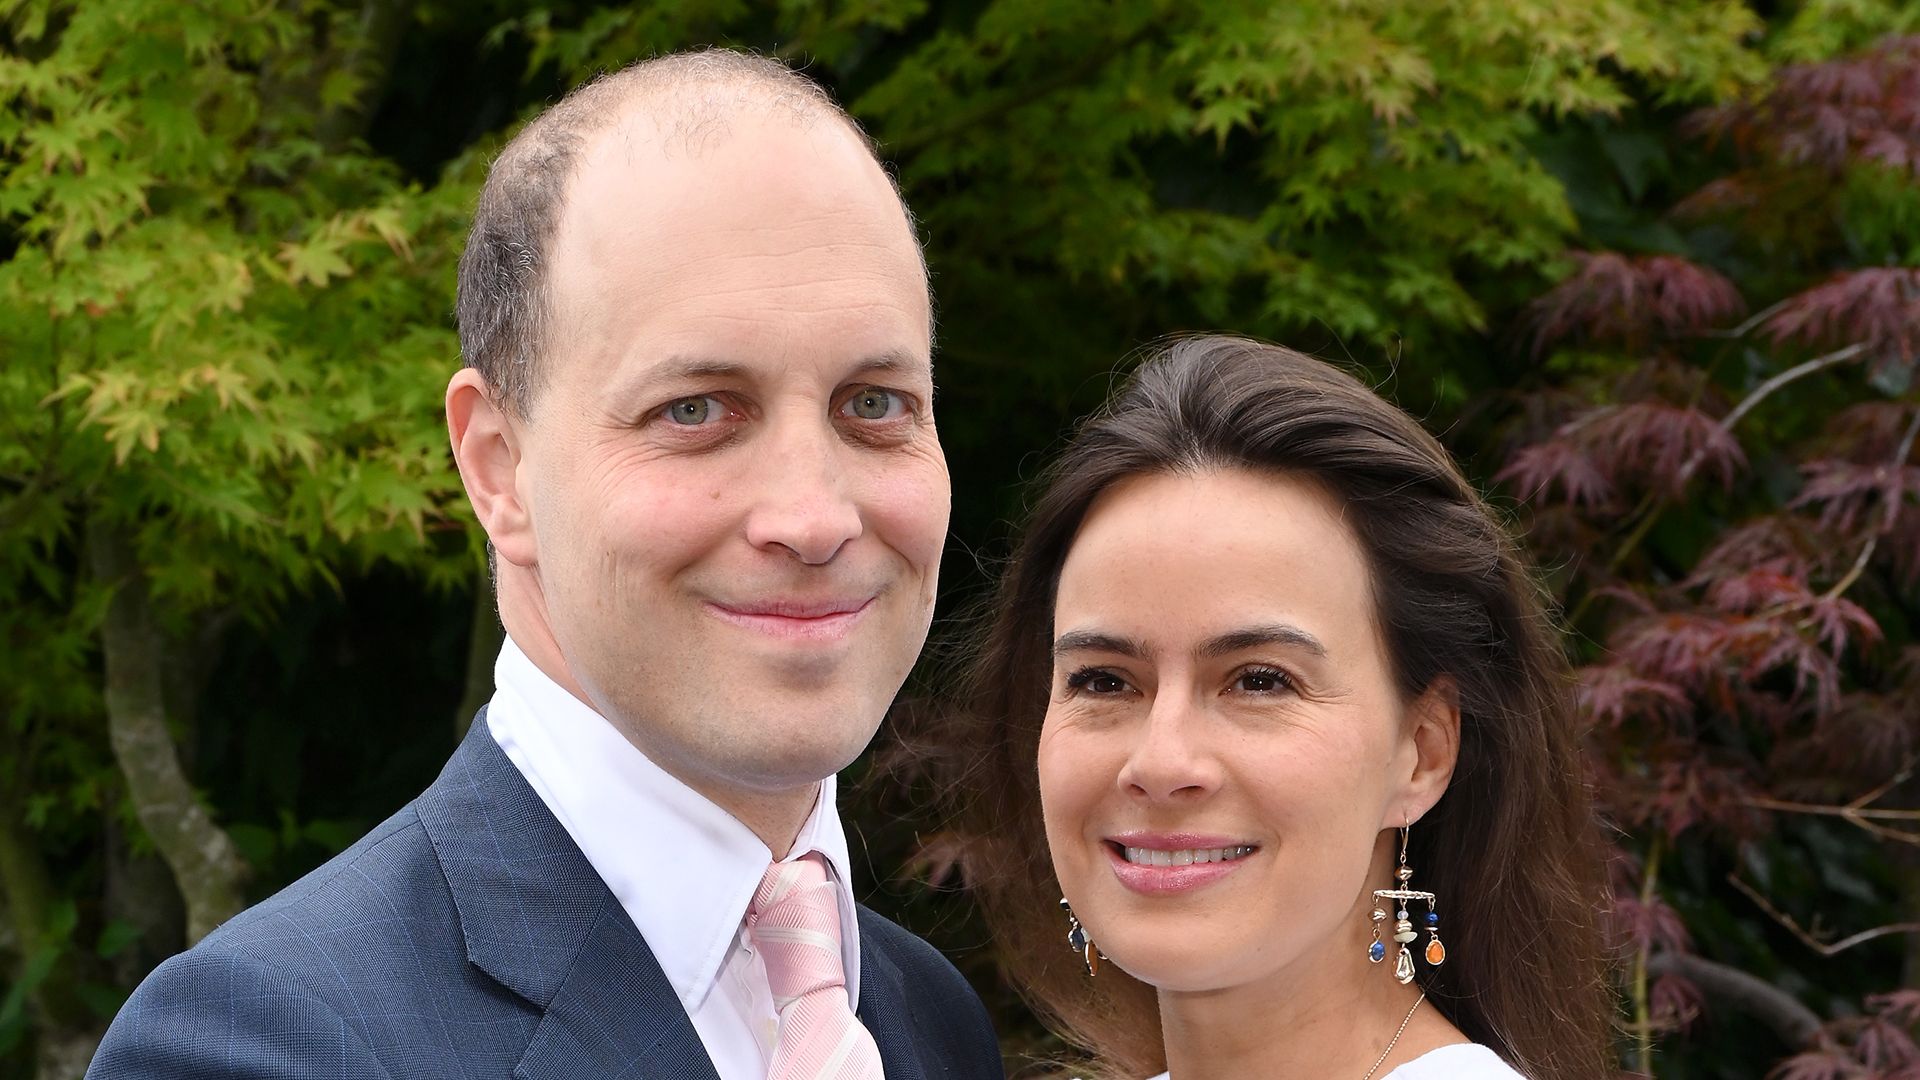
x: 697, y: 423
x: 680, y: 104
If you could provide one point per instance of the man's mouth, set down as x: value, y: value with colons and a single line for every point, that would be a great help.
x: 796, y: 608
x: 795, y: 619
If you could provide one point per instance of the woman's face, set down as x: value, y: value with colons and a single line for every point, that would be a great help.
x: 1224, y: 742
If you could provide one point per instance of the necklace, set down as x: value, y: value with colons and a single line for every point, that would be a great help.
x: 1396, y: 1037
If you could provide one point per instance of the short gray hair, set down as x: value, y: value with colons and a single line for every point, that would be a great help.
x: 502, y: 302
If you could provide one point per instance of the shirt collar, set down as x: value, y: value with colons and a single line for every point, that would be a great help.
x: 683, y: 868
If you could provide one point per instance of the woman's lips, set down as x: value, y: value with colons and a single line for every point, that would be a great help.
x: 1159, y: 863
x: 796, y: 620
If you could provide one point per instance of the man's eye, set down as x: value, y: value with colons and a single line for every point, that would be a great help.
x: 694, y: 411
x: 874, y: 403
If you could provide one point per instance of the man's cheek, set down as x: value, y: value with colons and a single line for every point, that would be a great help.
x: 670, y: 524
x: 915, y: 514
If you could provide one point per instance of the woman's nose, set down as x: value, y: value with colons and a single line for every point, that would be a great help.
x: 1171, y: 760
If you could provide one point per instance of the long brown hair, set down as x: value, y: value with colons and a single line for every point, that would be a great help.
x: 1511, y: 848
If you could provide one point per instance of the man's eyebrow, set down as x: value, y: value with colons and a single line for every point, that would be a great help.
x: 1252, y: 637
x: 694, y: 367
x: 1095, y: 641
x: 893, y: 361
x: 704, y: 367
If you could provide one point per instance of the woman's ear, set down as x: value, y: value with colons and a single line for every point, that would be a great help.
x: 1434, y: 729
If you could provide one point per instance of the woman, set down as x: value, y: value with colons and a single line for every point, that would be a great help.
x: 1289, y: 707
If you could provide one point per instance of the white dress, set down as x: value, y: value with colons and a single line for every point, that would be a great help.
x: 1461, y: 1061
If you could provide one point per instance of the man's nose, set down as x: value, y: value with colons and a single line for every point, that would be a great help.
x: 805, y: 503
x: 1171, y: 760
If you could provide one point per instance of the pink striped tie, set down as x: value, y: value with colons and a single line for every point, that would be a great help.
x: 795, y: 920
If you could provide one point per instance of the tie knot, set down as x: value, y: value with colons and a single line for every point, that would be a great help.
x: 795, y: 920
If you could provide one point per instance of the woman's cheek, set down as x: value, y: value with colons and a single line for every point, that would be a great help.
x: 1065, y: 798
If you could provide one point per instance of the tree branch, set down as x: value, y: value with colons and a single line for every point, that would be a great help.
x: 1796, y: 372
x: 1642, y: 999
x: 1827, y: 949
x: 1797, y: 1025
x: 1752, y: 321
x: 1867, y: 821
x: 205, y: 864
x: 1892, y: 512
x: 26, y: 899
x: 1859, y: 810
x: 1652, y: 505
x: 380, y: 27
x: 26, y: 889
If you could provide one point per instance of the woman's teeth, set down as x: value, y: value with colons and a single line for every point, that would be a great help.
x: 1187, y: 857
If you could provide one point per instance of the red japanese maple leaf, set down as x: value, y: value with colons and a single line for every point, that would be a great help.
x: 1631, y: 300
x: 1877, y: 307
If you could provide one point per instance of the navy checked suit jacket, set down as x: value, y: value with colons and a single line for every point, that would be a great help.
x: 467, y: 936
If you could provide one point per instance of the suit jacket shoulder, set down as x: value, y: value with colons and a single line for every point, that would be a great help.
x: 950, y: 1024
x: 467, y: 936
x: 330, y: 977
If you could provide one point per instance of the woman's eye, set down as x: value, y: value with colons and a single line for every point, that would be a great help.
x: 1262, y: 681
x: 694, y: 411
x: 1096, y: 682
x: 874, y: 403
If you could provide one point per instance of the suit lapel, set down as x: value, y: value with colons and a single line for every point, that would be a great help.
x: 538, y: 920
x: 883, y: 1009
x: 616, y: 1015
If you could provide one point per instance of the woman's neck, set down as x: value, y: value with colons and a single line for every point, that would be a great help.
x: 1328, y: 1015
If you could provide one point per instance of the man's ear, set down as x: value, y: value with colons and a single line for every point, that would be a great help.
x: 486, y: 449
x: 1434, y: 728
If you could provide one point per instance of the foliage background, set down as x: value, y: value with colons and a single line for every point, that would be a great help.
x: 241, y: 611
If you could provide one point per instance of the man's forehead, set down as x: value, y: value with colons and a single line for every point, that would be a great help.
x: 749, y: 173
x: 685, y: 121
x: 766, y: 190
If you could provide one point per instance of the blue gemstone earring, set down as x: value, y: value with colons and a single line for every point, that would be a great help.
x: 1403, y: 931
x: 1079, y: 942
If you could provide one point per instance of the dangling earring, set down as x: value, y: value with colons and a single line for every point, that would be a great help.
x: 1403, y: 931
x: 1079, y: 942
x: 1436, y: 952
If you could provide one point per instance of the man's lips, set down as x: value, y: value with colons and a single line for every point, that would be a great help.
x: 795, y: 619
x: 1156, y: 862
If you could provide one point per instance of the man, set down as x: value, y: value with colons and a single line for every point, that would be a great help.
x: 696, y: 425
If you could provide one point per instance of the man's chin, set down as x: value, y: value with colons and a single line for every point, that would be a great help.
x: 792, y: 752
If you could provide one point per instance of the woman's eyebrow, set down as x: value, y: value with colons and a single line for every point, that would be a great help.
x: 1255, y: 636
x: 1094, y: 641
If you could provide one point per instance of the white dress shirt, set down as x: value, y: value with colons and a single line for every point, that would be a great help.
x: 683, y: 868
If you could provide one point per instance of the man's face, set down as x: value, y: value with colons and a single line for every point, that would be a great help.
x: 736, y: 495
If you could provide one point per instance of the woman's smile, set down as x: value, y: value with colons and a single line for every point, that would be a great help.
x: 1155, y: 864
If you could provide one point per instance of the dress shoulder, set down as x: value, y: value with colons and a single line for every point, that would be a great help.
x: 1464, y: 1061
x: 1461, y: 1061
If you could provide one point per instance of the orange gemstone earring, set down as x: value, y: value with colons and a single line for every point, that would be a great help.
x: 1403, y: 931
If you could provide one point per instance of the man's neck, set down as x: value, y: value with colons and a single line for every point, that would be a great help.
x: 776, y: 817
